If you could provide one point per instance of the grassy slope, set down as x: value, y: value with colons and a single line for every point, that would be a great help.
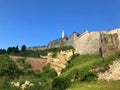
x: 102, y: 85
x: 87, y: 62
x: 82, y: 62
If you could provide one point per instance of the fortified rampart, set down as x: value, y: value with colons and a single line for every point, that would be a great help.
x: 91, y: 42
x: 35, y: 48
x: 88, y: 43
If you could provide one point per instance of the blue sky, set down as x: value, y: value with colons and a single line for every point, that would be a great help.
x: 37, y: 22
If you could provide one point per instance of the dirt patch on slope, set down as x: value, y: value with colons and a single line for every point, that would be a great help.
x: 36, y: 63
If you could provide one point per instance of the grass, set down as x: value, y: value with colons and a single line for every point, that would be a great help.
x: 83, y: 64
x: 79, y: 66
x: 88, y: 62
x: 99, y: 85
x: 80, y: 63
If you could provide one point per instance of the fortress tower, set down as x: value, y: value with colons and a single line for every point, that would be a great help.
x: 63, y: 34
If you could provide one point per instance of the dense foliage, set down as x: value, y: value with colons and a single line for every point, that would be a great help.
x: 60, y: 83
x: 2, y: 51
x: 29, y: 53
x: 80, y: 69
x: 38, y: 53
x: 23, y: 48
x: 48, y: 72
x: 9, y: 72
x: 8, y: 67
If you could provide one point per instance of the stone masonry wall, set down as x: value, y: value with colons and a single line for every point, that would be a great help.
x: 109, y: 43
x: 91, y: 42
x: 88, y: 43
x: 71, y: 40
x: 56, y: 43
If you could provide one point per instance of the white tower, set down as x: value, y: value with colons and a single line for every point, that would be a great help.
x: 63, y: 35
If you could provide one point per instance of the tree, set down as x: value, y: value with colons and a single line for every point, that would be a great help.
x: 13, y: 50
x: 16, y: 49
x: 23, y: 48
x: 9, y: 50
x: 2, y: 51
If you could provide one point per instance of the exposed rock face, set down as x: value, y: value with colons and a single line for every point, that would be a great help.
x: 60, y: 61
x: 113, y: 73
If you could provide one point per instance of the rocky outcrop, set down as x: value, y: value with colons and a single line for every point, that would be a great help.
x: 113, y: 73
x: 60, y: 61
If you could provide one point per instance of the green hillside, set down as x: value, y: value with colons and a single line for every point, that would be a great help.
x: 79, y: 74
x: 82, y: 71
x: 98, y: 85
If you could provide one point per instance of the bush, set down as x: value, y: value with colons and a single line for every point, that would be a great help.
x: 4, y: 82
x: 60, y: 83
x: 90, y: 76
x: 8, y: 67
x: 82, y: 75
x: 23, y: 64
x: 49, y: 72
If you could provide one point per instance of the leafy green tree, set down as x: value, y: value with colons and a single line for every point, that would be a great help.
x: 2, y: 51
x: 9, y: 50
x: 23, y: 48
x: 13, y: 50
x: 16, y: 49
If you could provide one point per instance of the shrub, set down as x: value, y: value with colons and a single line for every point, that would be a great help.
x: 23, y: 64
x: 4, y: 83
x: 21, y: 60
x: 60, y: 83
x: 27, y: 65
x: 49, y: 72
x: 82, y: 75
x: 37, y: 73
x: 8, y: 67
x: 90, y: 76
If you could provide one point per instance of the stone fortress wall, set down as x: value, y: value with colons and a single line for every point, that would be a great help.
x: 90, y: 42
